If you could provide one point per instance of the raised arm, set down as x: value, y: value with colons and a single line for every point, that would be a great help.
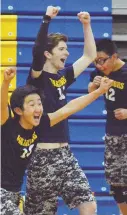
x: 9, y: 74
x: 79, y: 103
x: 89, y: 52
x: 40, y: 43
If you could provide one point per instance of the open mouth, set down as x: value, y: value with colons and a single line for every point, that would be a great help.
x: 63, y: 60
x: 37, y: 117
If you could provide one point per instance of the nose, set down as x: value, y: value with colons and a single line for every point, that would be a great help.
x: 67, y: 53
x: 38, y: 108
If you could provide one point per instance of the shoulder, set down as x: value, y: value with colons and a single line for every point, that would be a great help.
x: 66, y: 70
x: 45, y: 122
x: 124, y: 68
x: 95, y: 73
x: 8, y: 125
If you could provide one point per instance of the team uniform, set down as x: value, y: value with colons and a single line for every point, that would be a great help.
x: 54, y: 172
x: 17, y: 145
x: 116, y: 130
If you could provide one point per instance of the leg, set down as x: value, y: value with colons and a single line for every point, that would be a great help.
x: 123, y: 208
x: 116, y: 159
x: 87, y: 208
x: 120, y: 195
x: 113, y: 159
x: 75, y: 188
x: 116, y: 168
x: 41, y: 197
x: 9, y: 203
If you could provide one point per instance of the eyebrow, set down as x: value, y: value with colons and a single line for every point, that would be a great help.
x: 32, y: 100
x: 65, y: 47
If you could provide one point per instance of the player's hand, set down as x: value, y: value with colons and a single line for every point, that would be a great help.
x: 9, y: 74
x: 52, y: 11
x: 97, y: 80
x: 120, y: 113
x: 84, y: 17
x: 105, y: 84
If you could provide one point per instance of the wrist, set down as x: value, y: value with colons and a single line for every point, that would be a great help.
x: 7, y: 82
x: 87, y: 25
x: 46, y: 18
x: 100, y: 91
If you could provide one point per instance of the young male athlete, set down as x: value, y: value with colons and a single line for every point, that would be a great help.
x: 110, y: 65
x: 60, y: 175
x: 20, y: 134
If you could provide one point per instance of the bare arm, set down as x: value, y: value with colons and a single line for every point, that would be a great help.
x: 79, y: 103
x: 41, y: 41
x: 9, y: 74
x: 89, y: 53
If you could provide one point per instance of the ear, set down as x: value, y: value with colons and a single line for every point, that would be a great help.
x: 47, y: 54
x: 18, y: 111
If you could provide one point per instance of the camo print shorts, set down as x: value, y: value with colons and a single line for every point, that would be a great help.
x: 53, y: 173
x: 9, y: 202
x: 116, y: 159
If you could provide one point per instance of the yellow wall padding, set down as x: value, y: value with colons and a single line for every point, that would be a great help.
x: 8, y: 53
x: 9, y: 96
x: 8, y: 27
x: 13, y: 82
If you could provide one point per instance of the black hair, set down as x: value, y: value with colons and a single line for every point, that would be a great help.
x: 19, y: 94
x: 107, y: 46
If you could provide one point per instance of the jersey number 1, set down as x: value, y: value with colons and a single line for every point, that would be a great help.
x: 61, y: 95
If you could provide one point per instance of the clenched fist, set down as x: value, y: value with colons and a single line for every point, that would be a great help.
x: 105, y: 84
x: 52, y: 11
x: 97, y: 80
x: 84, y: 17
x: 120, y: 113
x: 9, y: 74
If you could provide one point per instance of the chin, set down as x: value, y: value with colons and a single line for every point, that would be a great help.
x: 106, y: 72
x: 61, y: 67
x: 36, y: 123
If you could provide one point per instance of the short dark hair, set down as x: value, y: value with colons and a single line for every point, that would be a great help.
x: 107, y: 46
x: 19, y: 94
x: 54, y: 39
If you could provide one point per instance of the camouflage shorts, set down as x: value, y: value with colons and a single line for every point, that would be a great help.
x: 54, y: 173
x: 9, y: 202
x: 116, y: 159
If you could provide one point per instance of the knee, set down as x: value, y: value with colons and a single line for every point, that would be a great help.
x: 119, y: 193
x: 94, y: 207
x: 88, y: 208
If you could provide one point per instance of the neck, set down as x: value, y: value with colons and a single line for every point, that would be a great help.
x: 119, y: 63
x: 48, y: 67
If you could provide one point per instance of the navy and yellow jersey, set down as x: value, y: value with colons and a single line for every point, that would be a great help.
x: 115, y: 98
x: 17, y: 146
x: 54, y: 87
